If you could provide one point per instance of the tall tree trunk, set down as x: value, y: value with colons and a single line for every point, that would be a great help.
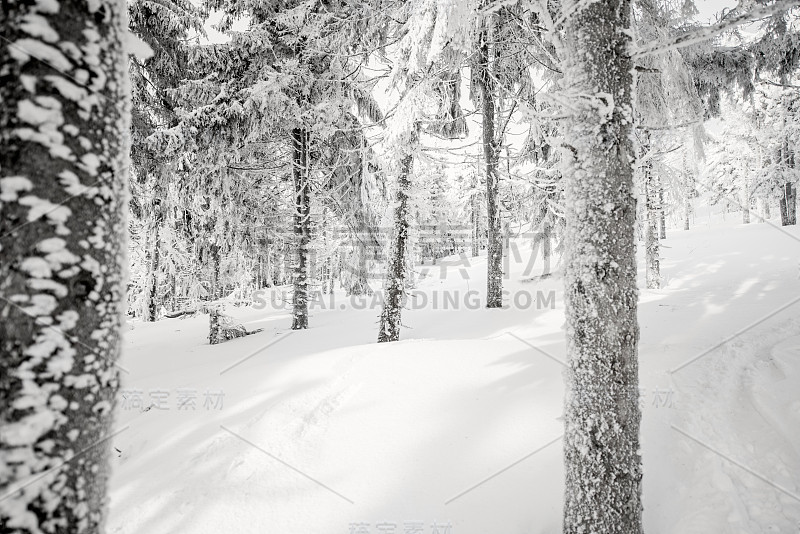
x: 652, y: 212
x: 173, y: 295
x: 789, y: 193
x: 151, y: 308
x: 494, y: 253
x: 63, y: 237
x: 687, y: 199
x: 396, y: 276
x: 216, y: 265
x: 602, y: 416
x: 687, y: 211
x: 302, y: 230
x: 746, y: 196
x: 475, y: 204
x: 286, y: 265
x: 688, y: 191
x: 746, y: 209
x: 788, y: 205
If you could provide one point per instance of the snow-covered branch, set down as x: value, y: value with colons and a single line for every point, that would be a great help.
x: 702, y: 34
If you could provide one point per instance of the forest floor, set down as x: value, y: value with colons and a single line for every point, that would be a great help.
x: 456, y: 428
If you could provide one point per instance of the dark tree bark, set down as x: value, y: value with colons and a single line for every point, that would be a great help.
x: 788, y: 204
x: 688, y: 191
x: 602, y: 416
x: 687, y: 211
x: 151, y: 310
x: 788, y: 201
x: 302, y: 227
x: 63, y: 241
x: 746, y: 211
x: 216, y: 265
x: 491, y: 152
x: 396, y: 276
x: 475, y: 215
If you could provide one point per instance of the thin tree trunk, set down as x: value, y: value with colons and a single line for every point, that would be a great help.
x: 746, y: 209
x: 173, y: 295
x: 286, y: 265
x: 788, y: 205
x: 765, y: 211
x: 302, y: 218
x: 688, y: 191
x: 395, y: 281
x: 687, y: 210
x: 652, y: 212
x: 216, y: 261
x: 788, y: 193
x: 494, y: 254
x: 334, y: 263
x: 602, y: 416
x: 746, y: 198
x: 687, y: 199
x: 63, y: 236
x: 475, y: 202
x: 151, y: 309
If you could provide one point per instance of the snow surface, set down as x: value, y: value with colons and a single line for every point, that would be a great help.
x: 457, y: 425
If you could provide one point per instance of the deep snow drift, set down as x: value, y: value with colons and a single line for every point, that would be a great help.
x: 456, y: 428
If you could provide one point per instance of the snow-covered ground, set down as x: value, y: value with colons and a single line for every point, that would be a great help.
x: 456, y: 428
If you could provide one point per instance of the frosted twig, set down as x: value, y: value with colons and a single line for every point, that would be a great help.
x: 702, y: 34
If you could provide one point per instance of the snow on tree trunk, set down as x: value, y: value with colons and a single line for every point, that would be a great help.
x: 687, y: 210
x: 765, y: 214
x: 687, y: 198
x: 216, y: 290
x: 746, y: 208
x: 542, y: 238
x: 222, y: 327
x: 652, y: 215
x: 396, y: 275
x: 788, y: 192
x: 355, y: 262
x: 63, y: 233
x: 151, y: 307
x: 602, y: 416
x: 494, y: 253
x: 302, y: 231
x: 475, y: 213
x: 788, y: 205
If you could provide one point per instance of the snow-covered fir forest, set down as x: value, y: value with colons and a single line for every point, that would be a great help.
x: 399, y: 267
